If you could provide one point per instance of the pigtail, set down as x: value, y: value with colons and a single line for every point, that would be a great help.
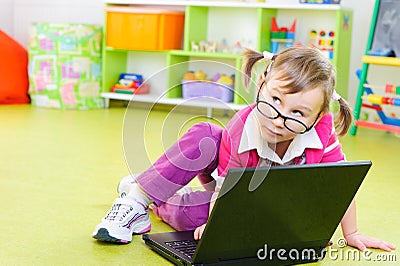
x: 250, y: 58
x: 344, y: 119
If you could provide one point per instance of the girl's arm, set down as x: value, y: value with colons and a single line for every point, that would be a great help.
x: 334, y: 153
x: 349, y: 220
x: 199, y: 230
x: 356, y: 239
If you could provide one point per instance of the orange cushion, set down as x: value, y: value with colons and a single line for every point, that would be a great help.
x: 13, y: 71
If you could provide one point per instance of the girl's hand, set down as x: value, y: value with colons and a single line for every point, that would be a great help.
x: 199, y: 232
x: 362, y: 242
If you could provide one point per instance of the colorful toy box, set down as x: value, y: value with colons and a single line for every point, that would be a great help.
x: 65, y: 65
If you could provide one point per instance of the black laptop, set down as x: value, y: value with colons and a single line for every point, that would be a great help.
x: 294, y: 210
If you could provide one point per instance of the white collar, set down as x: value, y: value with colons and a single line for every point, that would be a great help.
x: 252, y: 139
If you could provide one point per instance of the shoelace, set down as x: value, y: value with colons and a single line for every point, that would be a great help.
x: 120, y: 209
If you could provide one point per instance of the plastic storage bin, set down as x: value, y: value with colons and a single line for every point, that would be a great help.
x: 133, y: 28
x: 207, y: 89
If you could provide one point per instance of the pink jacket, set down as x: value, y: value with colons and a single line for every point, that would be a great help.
x: 229, y: 157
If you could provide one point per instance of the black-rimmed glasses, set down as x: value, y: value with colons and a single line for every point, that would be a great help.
x: 292, y: 124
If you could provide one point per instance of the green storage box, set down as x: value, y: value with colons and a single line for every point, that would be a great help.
x: 65, y: 65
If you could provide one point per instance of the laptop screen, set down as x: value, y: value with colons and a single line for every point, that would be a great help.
x: 294, y: 207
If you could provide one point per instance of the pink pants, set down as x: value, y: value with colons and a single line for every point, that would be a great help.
x: 195, y: 154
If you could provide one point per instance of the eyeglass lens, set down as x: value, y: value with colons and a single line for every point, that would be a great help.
x: 270, y: 112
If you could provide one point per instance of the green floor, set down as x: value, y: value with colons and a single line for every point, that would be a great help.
x: 59, y: 170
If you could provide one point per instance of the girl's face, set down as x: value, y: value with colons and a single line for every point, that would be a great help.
x: 304, y: 106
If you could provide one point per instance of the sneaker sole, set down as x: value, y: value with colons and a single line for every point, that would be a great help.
x: 103, y: 235
x: 145, y: 230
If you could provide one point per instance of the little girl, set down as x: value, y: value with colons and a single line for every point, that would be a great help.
x: 290, y: 123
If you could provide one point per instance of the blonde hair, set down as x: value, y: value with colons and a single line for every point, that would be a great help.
x: 303, y: 68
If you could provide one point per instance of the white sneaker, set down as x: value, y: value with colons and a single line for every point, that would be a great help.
x: 126, y: 217
x: 124, y: 186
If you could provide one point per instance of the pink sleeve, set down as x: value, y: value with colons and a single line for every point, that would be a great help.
x: 229, y: 146
x: 333, y: 151
x: 228, y: 157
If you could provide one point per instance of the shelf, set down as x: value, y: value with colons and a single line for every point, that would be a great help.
x: 181, y: 53
x: 380, y: 60
x: 148, y: 98
x: 111, y: 49
x: 268, y: 4
x: 204, y: 54
x: 205, y: 20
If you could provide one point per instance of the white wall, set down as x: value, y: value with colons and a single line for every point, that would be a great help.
x: 77, y: 11
x: 16, y: 16
x: 362, y: 16
x: 6, y: 16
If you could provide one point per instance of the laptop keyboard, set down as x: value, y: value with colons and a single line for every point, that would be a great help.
x: 186, y: 247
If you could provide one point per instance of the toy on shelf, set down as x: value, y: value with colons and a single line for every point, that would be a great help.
x: 203, y: 46
x: 237, y: 48
x: 281, y: 35
x: 222, y: 47
x: 196, y: 85
x: 131, y: 84
x: 323, y: 40
x: 200, y: 75
x: 195, y: 47
x: 319, y: 1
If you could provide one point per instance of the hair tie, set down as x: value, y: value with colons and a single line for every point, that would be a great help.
x: 268, y: 56
x: 335, y: 96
